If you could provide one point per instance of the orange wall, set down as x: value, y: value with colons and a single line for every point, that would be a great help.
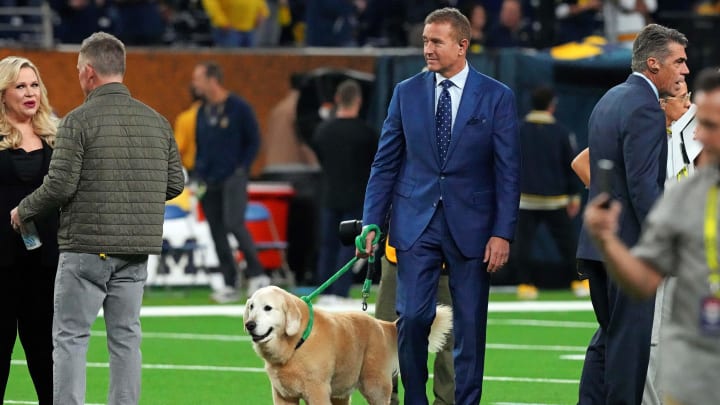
x: 160, y: 78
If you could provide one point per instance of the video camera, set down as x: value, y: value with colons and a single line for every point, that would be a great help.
x: 348, y: 230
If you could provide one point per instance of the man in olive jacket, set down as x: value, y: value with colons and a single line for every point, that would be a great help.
x: 115, y: 164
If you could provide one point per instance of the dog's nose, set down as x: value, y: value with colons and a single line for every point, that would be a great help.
x: 250, y: 326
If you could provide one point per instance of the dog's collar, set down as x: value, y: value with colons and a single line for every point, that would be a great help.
x: 311, y: 319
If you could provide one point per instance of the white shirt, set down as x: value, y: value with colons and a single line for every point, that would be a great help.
x: 682, y: 132
x: 655, y: 90
x: 455, y: 90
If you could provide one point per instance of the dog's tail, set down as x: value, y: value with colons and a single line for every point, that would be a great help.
x: 440, y: 329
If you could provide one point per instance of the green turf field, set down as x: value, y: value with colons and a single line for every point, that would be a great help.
x: 532, y: 357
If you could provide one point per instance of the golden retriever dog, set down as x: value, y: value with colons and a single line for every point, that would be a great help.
x: 343, y: 352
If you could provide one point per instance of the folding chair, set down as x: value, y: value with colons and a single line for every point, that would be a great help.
x: 271, y: 248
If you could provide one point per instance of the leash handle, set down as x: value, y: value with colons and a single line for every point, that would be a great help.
x: 360, y: 243
x: 360, y: 239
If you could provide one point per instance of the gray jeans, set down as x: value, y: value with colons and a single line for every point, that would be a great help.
x: 84, y: 284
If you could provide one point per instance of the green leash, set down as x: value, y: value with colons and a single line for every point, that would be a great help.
x: 360, y: 245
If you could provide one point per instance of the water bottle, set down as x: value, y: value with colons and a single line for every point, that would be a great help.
x: 30, y: 236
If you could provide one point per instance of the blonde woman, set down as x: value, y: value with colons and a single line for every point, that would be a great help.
x: 27, y: 134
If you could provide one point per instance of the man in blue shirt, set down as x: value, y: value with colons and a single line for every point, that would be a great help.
x: 228, y: 139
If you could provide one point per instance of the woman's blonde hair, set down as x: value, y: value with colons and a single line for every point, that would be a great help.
x: 43, y: 122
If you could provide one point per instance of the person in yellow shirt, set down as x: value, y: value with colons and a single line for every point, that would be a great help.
x: 185, y: 131
x: 444, y: 374
x: 234, y: 22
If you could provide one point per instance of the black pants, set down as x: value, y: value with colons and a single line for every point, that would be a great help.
x: 224, y: 205
x: 617, y: 357
x: 562, y: 231
x: 26, y: 309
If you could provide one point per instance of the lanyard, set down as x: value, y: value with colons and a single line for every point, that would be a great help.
x: 711, y: 250
x: 683, y: 174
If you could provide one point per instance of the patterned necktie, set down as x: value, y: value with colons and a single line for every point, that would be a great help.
x: 443, y: 120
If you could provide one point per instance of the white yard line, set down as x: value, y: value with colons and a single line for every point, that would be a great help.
x: 243, y: 338
x: 188, y: 336
x: 542, y: 323
x: 520, y: 403
x: 175, y: 367
x: 531, y: 380
x: 237, y: 310
x: 573, y: 357
x: 541, y: 306
x: 184, y: 367
x: 14, y: 402
x: 503, y: 346
x: 10, y: 401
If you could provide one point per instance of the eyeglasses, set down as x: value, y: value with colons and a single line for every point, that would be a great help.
x: 682, y: 98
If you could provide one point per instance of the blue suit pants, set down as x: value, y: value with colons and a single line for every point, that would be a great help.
x: 617, y: 357
x: 418, y: 274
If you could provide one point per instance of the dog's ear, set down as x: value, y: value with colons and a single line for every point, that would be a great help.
x: 293, y: 318
x: 246, y: 313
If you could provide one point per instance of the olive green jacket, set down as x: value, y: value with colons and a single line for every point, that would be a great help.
x: 114, y: 165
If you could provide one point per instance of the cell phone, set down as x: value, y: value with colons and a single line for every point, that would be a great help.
x: 605, y: 174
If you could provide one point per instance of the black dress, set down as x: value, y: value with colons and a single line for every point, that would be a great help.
x: 28, y: 277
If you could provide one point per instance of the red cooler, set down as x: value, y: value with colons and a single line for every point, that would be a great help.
x: 271, y: 234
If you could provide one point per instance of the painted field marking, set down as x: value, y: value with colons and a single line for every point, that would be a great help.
x: 186, y: 367
x: 542, y: 323
x: 242, y: 338
x: 573, y: 357
x: 176, y: 367
x: 548, y: 348
x: 237, y: 310
x: 10, y: 401
x: 520, y: 403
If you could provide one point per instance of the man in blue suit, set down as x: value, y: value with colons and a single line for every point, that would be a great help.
x: 627, y: 126
x: 448, y: 164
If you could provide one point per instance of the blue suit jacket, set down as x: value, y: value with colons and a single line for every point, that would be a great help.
x: 627, y: 126
x: 479, y: 181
